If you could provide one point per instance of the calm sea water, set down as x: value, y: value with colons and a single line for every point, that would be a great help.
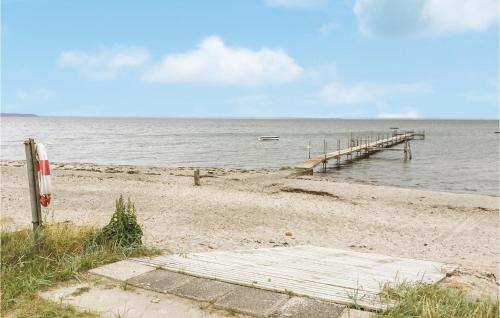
x: 456, y: 156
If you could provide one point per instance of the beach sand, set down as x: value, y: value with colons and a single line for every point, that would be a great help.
x: 241, y: 209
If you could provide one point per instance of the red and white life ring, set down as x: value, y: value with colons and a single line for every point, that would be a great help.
x: 43, y: 175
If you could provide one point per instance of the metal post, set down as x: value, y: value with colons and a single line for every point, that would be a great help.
x: 351, y: 141
x: 309, y: 147
x: 369, y: 141
x: 357, y: 145
x: 338, y: 152
x: 36, y: 209
x: 351, y: 144
x: 324, y: 150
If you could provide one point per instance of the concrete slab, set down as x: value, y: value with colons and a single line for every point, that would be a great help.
x: 159, y: 280
x: 112, y: 302
x: 252, y: 301
x: 122, y: 270
x: 301, y: 307
x: 203, y: 289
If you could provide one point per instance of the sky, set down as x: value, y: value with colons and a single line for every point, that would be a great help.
x: 251, y: 58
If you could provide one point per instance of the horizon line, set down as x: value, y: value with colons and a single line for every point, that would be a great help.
x: 27, y: 115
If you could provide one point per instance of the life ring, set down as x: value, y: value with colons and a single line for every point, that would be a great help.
x: 43, y: 175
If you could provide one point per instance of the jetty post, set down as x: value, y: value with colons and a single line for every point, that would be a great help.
x: 351, y: 142
x: 357, y: 144
x: 324, y: 150
x: 406, y: 150
x: 34, y: 187
x: 338, y: 152
x: 309, y: 148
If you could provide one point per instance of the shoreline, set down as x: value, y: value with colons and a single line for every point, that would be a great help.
x: 318, y: 176
x: 252, y: 208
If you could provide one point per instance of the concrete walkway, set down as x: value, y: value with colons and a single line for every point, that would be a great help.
x: 213, y: 296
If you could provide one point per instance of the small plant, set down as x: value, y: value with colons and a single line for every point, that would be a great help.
x: 231, y: 311
x: 126, y: 286
x: 80, y: 290
x: 434, y: 301
x: 356, y: 297
x: 123, y: 229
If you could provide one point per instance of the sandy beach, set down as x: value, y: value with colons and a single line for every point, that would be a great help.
x: 241, y: 209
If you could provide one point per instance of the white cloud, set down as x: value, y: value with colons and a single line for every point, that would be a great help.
x: 214, y: 62
x: 405, y: 113
x: 104, y: 64
x: 425, y: 17
x: 40, y: 94
x: 337, y: 93
x: 447, y: 16
x: 296, y: 3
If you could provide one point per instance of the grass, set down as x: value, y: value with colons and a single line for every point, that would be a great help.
x: 80, y: 290
x: 126, y: 286
x: 64, y: 251
x: 37, y: 307
x: 434, y: 301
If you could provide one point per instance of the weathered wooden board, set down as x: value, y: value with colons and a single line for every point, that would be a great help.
x: 341, y: 276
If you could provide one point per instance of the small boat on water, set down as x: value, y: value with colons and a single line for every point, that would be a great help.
x: 263, y: 138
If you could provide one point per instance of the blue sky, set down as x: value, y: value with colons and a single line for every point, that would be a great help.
x: 299, y: 58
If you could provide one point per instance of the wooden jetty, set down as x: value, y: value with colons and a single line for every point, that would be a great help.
x: 364, y: 147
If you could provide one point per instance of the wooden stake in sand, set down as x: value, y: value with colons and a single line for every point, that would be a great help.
x: 197, y: 177
x: 36, y: 209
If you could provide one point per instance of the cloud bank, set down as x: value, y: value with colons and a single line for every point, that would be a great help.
x: 104, y: 64
x: 337, y: 93
x: 405, y: 113
x: 424, y: 17
x: 213, y: 62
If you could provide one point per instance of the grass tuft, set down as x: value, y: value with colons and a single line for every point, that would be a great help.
x: 123, y: 229
x: 37, y: 307
x: 63, y: 252
x: 434, y: 301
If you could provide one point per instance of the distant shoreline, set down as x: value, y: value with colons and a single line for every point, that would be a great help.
x: 17, y: 115
x: 251, y: 118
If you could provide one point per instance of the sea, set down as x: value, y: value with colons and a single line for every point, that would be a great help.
x: 456, y: 156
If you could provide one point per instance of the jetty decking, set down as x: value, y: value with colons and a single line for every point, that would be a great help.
x: 366, y: 148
